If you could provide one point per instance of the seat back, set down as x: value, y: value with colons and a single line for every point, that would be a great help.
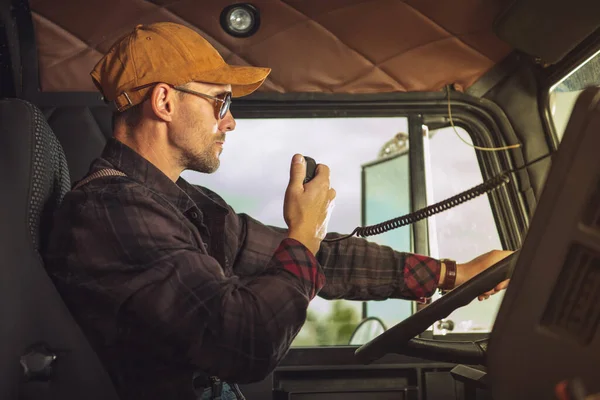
x: 43, y: 353
x: 81, y: 129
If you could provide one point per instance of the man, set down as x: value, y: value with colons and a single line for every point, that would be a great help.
x: 176, y: 291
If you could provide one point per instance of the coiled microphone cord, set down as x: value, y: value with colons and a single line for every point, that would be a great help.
x: 483, y: 188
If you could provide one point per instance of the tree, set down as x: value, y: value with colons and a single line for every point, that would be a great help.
x: 334, y: 328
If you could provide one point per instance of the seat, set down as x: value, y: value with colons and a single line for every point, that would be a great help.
x: 43, y: 352
x: 82, y: 130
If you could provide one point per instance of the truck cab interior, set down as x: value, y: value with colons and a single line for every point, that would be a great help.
x: 514, y: 85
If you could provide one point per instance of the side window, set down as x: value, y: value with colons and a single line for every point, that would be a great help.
x: 564, y: 93
x: 254, y: 173
x: 463, y: 232
x: 370, y: 169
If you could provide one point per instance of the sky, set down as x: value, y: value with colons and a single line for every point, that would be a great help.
x: 255, y: 162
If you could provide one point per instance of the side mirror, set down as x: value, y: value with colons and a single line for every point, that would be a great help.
x: 367, y: 330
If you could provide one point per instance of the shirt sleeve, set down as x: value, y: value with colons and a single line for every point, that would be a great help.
x: 144, y: 261
x: 354, y: 268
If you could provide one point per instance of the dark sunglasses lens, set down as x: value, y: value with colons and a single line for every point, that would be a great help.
x: 225, y: 106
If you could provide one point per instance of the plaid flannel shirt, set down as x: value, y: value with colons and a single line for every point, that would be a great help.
x: 166, y: 279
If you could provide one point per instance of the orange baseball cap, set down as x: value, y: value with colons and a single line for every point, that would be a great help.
x: 170, y: 53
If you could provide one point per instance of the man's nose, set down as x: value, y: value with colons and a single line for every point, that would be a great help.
x: 227, y: 124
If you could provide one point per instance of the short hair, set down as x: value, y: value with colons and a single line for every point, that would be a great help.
x: 130, y: 117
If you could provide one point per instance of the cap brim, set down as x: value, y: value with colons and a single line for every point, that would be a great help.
x: 243, y: 80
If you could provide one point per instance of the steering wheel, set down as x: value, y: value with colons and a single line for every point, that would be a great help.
x: 400, y: 338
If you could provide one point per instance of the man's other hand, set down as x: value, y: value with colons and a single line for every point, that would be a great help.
x: 466, y: 271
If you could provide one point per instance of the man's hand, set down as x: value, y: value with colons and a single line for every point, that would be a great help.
x: 307, y: 208
x: 466, y: 271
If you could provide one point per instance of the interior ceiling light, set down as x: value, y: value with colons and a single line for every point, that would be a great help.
x: 240, y: 20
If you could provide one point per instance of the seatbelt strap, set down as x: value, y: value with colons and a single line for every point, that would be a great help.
x: 98, y: 174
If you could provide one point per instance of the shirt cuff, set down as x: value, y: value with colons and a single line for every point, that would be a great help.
x: 421, y: 275
x: 295, y: 258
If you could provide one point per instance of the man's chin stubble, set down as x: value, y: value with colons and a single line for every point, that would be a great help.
x: 206, y: 167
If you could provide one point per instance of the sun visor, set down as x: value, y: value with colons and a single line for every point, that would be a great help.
x: 548, y: 29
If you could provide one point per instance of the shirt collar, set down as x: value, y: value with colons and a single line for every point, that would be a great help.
x: 181, y: 193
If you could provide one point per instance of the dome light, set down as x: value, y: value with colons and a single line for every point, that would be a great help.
x: 240, y: 20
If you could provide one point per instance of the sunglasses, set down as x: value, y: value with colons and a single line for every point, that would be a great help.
x: 222, y: 101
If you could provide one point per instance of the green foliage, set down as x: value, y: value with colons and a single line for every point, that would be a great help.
x: 334, y: 328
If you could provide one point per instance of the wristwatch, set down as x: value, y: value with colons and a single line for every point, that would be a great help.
x: 450, y: 278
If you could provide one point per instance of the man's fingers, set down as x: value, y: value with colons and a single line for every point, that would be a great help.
x: 486, y: 295
x: 297, y: 171
x: 332, y: 193
x: 498, y: 288
x: 322, y: 171
x: 502, y: 285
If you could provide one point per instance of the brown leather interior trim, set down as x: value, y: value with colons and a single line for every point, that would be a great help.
x: 334, y: 46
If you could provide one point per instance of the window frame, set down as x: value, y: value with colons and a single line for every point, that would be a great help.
x: 479, y: 118
x: 482, y: 119
x: 485, y: 122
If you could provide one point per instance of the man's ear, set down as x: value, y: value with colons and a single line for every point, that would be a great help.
x: 162, y: 101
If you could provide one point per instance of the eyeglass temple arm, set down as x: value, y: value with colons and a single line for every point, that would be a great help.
x: 183, y: 89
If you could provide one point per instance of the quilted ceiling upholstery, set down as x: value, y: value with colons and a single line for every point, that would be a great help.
x: 331, y: 46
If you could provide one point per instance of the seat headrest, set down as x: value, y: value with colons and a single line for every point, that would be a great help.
x: 33, y: 165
